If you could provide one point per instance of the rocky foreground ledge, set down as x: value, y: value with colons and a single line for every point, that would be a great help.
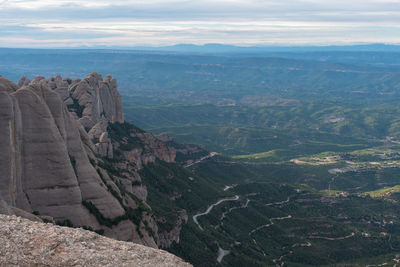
x: 27, y: 243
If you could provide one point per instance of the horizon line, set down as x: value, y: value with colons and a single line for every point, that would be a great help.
x: 205, y: 45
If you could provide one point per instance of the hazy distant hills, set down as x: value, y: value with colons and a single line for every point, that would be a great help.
x: 236, y: 103
x: 217, y: 77
x: 222, y: 48
x: 225, y: 48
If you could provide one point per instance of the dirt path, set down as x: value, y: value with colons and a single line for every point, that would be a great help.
x: 333, y: 238
x: 279, y: 261
x: 269, y: 224
x: 278, y: 203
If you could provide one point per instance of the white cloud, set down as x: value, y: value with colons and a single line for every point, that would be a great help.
x: 138, y: 22
x: 46, y: 4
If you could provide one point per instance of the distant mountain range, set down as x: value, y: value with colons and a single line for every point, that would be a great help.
x: 221, y: 48
x: 224, y: 48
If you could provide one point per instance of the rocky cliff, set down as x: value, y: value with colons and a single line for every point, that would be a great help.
x: 27, y: 243
x: 69, y: 157
x: 50, y: 165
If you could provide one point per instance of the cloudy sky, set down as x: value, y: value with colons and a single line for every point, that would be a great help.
x: 75, y: 23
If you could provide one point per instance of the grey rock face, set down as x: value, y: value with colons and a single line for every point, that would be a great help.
x: 7, y: 86
x: 48, y: 163
x: 95, y: 103
x: 4, y: 208
x: 97, y: 99
x: 24, y: 81
x: 57, y: 137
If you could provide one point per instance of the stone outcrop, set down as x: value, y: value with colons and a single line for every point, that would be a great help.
x: 48, y: 163
x: 151, y: 149
x: 166, y: 238
x: 27, y: 243
x: 24, y: 81
x: 7, y: 86
x: 94, y: 98
x: 95, y: 103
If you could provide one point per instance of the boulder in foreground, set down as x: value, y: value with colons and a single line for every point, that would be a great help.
x: 27, y: 243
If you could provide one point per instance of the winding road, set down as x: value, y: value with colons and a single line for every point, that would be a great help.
x: 211, y: 207
x: 234, y: 208
x: 268, y: 225
x: 212, y: 154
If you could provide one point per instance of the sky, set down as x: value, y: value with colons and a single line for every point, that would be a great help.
x: 127, y: 23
